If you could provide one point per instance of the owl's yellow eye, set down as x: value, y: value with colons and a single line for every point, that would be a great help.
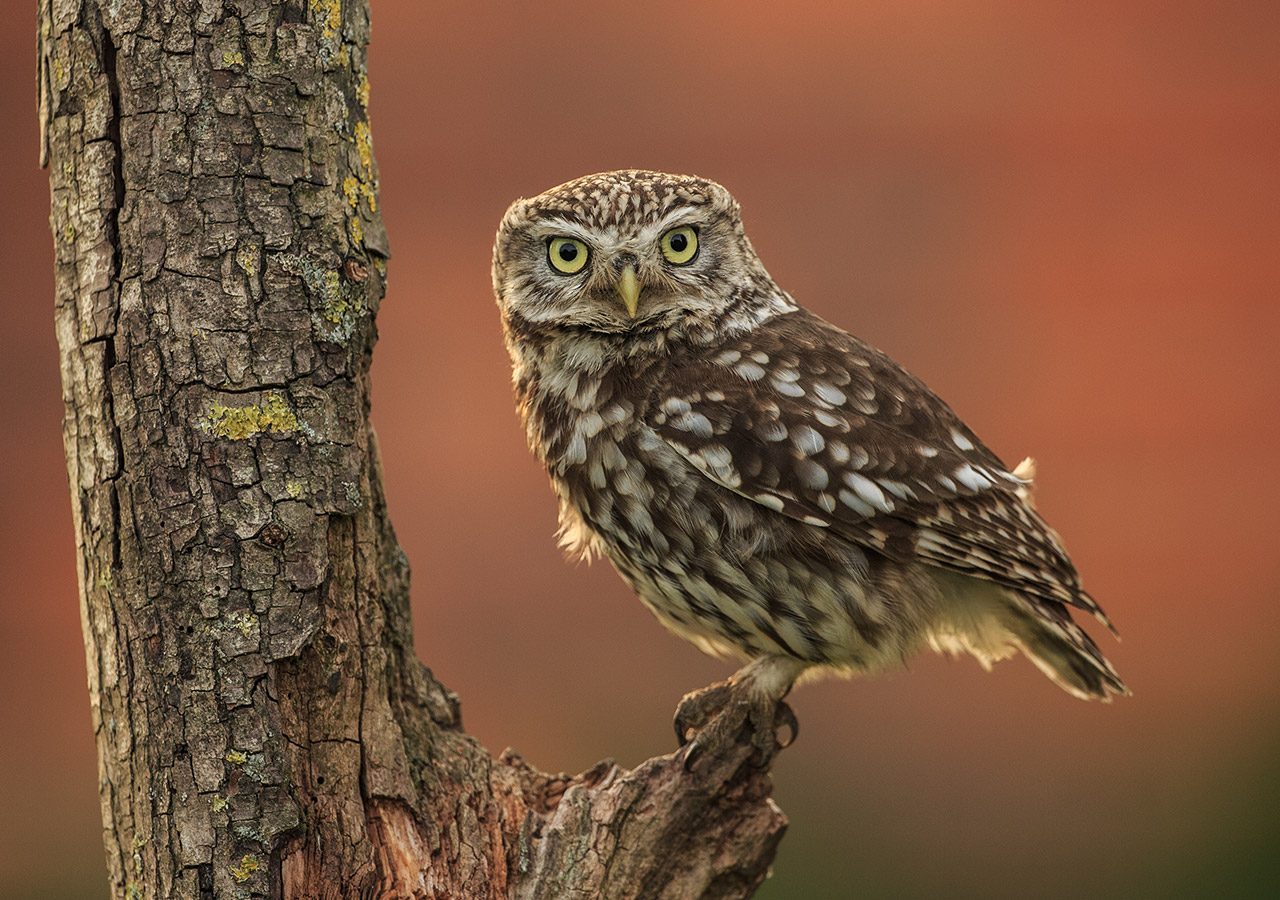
x: 680, y: 245
x: 567, y: 255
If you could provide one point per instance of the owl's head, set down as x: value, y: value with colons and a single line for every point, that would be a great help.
x: 626, y: 252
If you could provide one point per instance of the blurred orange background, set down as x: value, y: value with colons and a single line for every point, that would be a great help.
x: 1063, y: 216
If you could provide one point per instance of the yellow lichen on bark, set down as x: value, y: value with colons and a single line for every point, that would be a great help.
x: 271, y: 416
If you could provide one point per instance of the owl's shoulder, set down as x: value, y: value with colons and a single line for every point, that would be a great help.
x: 802, y: 362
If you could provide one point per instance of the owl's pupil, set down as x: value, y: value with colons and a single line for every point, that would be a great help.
x: 568, y: 252
x: 679, y: 242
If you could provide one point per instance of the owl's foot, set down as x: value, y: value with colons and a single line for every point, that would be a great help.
x: 726, y: 713
x: 697, y: 708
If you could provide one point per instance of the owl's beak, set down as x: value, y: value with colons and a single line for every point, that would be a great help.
x: 629, y: 289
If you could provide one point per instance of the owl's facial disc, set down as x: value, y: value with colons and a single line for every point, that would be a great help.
x: 626, y: 253
x: 617, y: 280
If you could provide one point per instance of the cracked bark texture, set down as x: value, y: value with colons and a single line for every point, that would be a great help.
x: 263, y: 726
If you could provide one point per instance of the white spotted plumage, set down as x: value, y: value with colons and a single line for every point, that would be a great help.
x: 768, y: 484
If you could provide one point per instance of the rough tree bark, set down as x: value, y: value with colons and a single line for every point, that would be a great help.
x: 263, y: 726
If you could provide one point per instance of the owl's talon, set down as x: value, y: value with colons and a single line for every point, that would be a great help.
x: 692, y: 752
x: 724, y: 729
x: 765, y: 718
x: 684, y: 733
x: 785, y: 718
x: 724, y: 714
x: 698, y: 708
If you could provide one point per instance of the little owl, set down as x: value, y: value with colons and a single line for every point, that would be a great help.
x: 770, y: 486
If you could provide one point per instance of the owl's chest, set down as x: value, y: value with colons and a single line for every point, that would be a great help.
x: 618, y: 481
x: 623, y: 489
x: 629, y: 488
x: 631, y: 495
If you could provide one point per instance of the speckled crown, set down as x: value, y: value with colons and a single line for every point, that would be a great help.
x: 624, y: 198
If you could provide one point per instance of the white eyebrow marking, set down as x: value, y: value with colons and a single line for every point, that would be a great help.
x: 681, y: 215
x: 545, y: 229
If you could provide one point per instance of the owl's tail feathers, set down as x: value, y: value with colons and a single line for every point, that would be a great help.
x: 1062, y: 650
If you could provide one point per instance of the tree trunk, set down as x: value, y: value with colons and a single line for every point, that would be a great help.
x: 263, y: 727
